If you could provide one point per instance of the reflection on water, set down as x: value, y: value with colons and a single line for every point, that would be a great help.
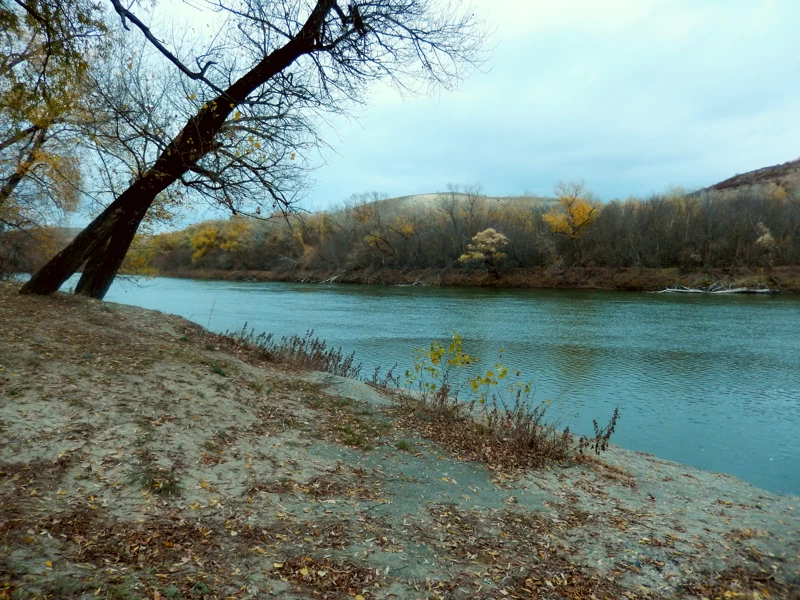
x: 709, y: 381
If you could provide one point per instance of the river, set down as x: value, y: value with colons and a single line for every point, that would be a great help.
x: 708, y: 381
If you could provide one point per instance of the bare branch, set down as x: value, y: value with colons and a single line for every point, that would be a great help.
x: 200, y: 75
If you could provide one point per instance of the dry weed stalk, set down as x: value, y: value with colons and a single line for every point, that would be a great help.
x: 306, y: 352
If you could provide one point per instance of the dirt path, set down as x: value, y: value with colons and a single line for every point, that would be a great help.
x: 142, y: 457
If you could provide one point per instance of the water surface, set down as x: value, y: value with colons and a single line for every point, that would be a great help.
x: 705, y: 380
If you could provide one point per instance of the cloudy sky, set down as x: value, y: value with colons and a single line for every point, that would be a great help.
x: 632, y: 96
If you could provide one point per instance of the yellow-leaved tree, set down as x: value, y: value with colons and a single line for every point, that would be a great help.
x: 486, y: 247
x: 45, y: 47
x: 574, y: 213
x: 223, y: 236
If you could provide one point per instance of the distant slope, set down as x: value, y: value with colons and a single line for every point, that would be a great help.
x: 439, y: 200
x: 786, y: 176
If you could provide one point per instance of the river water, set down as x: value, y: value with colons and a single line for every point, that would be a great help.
x: 708, y: 381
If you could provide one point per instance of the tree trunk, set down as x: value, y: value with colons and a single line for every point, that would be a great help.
x: 90, y: 242
x: 100, y: 270
x: 106, y: 240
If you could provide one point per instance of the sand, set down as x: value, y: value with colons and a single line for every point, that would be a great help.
x: 144, y: 457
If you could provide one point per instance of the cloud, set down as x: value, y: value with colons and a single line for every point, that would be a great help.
x: 631, y: 96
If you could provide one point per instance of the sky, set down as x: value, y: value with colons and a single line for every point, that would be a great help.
x: 632, y: 96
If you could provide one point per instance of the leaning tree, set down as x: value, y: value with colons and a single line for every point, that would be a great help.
x: 255, y: 98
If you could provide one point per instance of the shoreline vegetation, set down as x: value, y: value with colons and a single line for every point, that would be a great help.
x: 782, y: 279
x: 146, y: 457
x: 745, y: 237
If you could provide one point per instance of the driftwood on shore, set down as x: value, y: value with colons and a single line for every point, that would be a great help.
x: 716, y: 288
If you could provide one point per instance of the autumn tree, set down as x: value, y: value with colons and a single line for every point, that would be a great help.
x: 487, y: 248
x: 575, y: 212
x: 256, y: 104
x: 43, y: 60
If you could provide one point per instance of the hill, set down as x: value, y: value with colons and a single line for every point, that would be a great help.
x: 785, y: 176
x: 441, y: 200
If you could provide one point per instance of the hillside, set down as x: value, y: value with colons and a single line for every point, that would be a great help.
x: 440, y: 200
x: 786, y: 176
x: 144, y: 457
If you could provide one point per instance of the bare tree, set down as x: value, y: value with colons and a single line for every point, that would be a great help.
x: 302, y: 59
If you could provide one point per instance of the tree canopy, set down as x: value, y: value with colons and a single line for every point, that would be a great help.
x: 234, y: 121
x: 45, y: 49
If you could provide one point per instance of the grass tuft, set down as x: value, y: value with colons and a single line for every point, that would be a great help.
x: 216, y: 369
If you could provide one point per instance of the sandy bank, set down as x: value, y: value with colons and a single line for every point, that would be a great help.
x: 142, y: 457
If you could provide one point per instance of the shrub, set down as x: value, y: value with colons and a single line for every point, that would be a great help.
x: 216, y: 369
x: 501, y: 423
x: 307, y: 352
x: 487, y: 247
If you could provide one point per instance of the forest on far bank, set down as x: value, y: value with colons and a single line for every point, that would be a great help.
x: 755, y: 229
x: 687, y: 231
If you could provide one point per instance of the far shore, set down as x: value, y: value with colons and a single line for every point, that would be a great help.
x: 784, y: 279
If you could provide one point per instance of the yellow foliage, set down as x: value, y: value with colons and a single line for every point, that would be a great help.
x: 521, y: 216
x: 227, y: 236
x: 320, y: 223
x: 375, y: 240
x: 433, y: 366
x: 435, y: 369
x: 139, y: 259
x: 232, y: 234
x: 687, y: 206
x: 402, y: 225
x: 778, y: 192
x: 39, y: 151
x: 203, y: 241
x: 32, y: 247
x: 574, y: 212
x: 166, y: 242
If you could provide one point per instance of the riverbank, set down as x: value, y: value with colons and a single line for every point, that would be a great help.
x: 786, y: 279
x: 145, y: 457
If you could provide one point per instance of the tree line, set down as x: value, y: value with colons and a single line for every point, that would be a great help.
x: 466, y: 230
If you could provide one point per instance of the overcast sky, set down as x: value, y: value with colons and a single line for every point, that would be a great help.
x: 633, y: 96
